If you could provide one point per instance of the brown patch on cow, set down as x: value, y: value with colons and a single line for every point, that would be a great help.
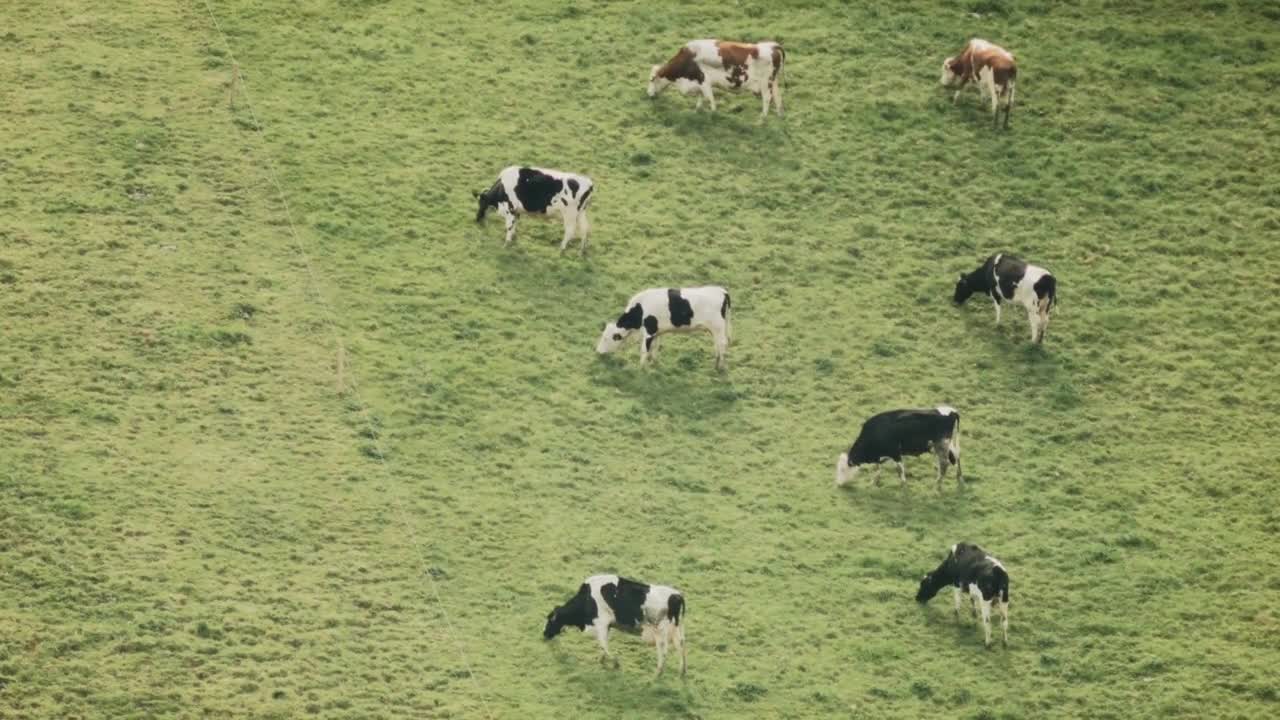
x: 681, y: 67
x: 778, y: 58
x: 736, y: 53
x: 971, y: 61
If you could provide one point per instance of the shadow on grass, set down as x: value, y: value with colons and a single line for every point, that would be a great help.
x: 920, y: 503
x: 630, y: 685
x: 966, y: 631
x: 677, y: 384
x: 536, y: 267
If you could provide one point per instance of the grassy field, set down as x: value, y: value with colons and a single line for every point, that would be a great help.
x: 284, y: 434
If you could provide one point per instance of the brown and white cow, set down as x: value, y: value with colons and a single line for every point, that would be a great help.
x: 991, y: 67
x: 702, y: 64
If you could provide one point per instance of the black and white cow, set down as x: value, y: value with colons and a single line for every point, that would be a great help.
x: 1004, y: 277
x: 657, y: 311
x: 538, y: 191
x: 968, y: 568
x: 896, y: 433
x: 655, y: 612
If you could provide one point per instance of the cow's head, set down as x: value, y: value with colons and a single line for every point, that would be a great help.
x: 484, y: 205
x: 554, y: 625
x: 928, y: 588
x: 657, y: 83
x: 612, y: 338
x: 951, y: 72
x: 963, y: 290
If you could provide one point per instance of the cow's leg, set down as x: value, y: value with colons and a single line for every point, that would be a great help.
x: 1008, y: 107
x: 765, y: 97
x: 602, y: 636
x: 875, y: 477
x: 679, y: 639
x: 1004, y: 621
x: 509, y: 217
x: 956, y: 98
x: 956, y: 593
x: 902, y: 471
x: 997, y: 304
x: 570, y: 219
x: 940, y: 452
x: 654, y: 347
x: 646, y: 347
x: 721, y: 337
x: 986, y: 622
x: 660, y: 643
x: 1033, y: 318
x: 584, y: 229
x: 708, y: 94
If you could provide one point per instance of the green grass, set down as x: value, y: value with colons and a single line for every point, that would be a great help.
x: 196, y: 519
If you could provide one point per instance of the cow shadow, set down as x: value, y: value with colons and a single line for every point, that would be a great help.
x: 732, y: 127
x: 683, y: 383
x: 921, y: 503
x: 528, y: 266
x: 630, y: 685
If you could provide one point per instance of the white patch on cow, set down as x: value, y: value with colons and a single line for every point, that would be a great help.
x: 705, y: 302
x: 842, y: 469
x: 759, y: 78
x: 1024, y: 293
x: 564, y: 205
x: 946, y: 410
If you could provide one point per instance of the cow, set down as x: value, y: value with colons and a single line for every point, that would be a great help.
x: 1004, y: 277
x: 968, y: 568
x: 539, y: 191
x: 658, y: 311
x: 896, y: 433
x: 703, y: 64
x: 655, y: 612
x: 991, y: 67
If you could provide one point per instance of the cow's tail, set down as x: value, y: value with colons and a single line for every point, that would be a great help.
x: 725, y: 312
x: 675, y: 608
x: 953, y: 442
x: 1047, y: 289
x: 585, y: 198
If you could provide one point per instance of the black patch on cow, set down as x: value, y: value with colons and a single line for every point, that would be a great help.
x: 626, y: 600
x: 630, y: 320
x: 535, y: 190
x: 1047, y: 287
x: 967, y: 564
x: 651, y: 325
x: 681, y: 310
x: 580, y: 611
x: 896, y: 433
x: 491, y: 198
x: 675, y: 608
x: 573, y: 187
x: 1008, y: 272
x: 582, y: 201
x: 724, y: 306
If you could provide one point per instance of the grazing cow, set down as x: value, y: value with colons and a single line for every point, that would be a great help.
x: 969, y: 568
x: 991, y: 67
x: 702, y: 64
x: 1006, y: 277
x: 538, y: 191
x: 896, y: 433
x: 655, y: 612
x: 662, y: 310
